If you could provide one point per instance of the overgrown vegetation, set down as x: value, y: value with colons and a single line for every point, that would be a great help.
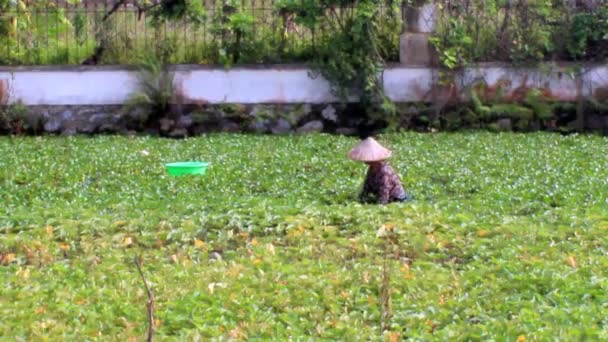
x: 527, y: 106
x: 506, y: 239
x: 156, y: 93
x: 229, y: 32
x: 588, y: 36
x: 185, y: 31
x: 35, y: 33
x: 519, y: 32
x: 353, y: 57
x: 14, y: 117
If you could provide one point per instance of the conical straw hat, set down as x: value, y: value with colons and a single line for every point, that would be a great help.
x: 369, y: 150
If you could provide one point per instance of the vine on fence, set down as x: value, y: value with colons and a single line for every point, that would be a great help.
x: 16, y: 18
x: 353, y: 58
x: 589, y: 35
x: 518, y: 32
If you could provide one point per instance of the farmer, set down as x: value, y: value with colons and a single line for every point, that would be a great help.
x: 382, y: 184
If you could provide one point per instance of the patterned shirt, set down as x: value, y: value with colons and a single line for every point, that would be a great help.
x: 382, y: 184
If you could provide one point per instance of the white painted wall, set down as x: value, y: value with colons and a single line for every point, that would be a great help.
x: 110, y: 86
x: 65, y: 87
x: 252, y: 86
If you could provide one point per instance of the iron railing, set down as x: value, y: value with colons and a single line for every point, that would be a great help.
x: 34, y: 32
x: 71, y: 32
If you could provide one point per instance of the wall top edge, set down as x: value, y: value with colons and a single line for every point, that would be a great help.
x: 280, y: 67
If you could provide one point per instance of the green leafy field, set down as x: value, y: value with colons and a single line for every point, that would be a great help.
x: 506, y: 240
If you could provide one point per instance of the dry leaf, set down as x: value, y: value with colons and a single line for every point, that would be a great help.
x: 120, y: 223
x: 571, y: 261
x: 174, y: 258
x: 381, y: 232
x: 235, y: 270
x: 270, y: 248
x: 393, y: 336
x: 298, y: 231
x: 212, y: 286
x: 23, y: 273
x: 127, y: 242
x: 237, y: 334
x: 366, y: 277
x: 7, y: 258
x: 49, y: 229
x: 483, y: 233
x: 40, y: 310
x: 407, y: 272
x: 64, y: 246
x: 199, y: 244
x: 29, y: 253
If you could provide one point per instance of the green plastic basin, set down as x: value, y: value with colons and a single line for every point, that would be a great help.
x: 187, y: 168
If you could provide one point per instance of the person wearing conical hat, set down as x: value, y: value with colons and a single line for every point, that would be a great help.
x: 382, y: 184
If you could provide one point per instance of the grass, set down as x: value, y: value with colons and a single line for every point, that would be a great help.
x: 506, y: 239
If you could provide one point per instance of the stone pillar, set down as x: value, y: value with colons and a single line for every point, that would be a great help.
x: 419, y: 23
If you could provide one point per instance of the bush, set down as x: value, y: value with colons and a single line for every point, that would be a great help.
x: 589, y: 35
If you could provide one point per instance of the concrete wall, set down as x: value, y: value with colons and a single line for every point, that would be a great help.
x: 273, y: 84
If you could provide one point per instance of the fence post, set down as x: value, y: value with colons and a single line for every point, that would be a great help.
x: 419, y: 24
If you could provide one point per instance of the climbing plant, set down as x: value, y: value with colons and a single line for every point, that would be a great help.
x: 17, y: 18
x: 353, y: 57
x: 514, y: 31
x: 589, y: 34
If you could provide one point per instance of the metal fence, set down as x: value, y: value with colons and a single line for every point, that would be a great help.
x: 54, y: 32
x: 75, y: 32
x: 68, y: 32
x: 522, y: 30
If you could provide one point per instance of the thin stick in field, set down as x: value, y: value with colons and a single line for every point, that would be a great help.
x: 150, y: 304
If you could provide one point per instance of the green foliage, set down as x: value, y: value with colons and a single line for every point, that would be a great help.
x: 478, y: 106
x: 234, y: 30
x: 506, y: 238
x: 156, y: 91
x: 38, y: 32
x: 352, y: 58
x: 14, y: 116
x: 14, y: 119
x: 173, y: 10
x: 587, y: 29
x: 511, y: 110
x: 535, y: 106
x: 541, y: 107
x: 496, y: 30
x: 455, y: 46
x: 20, y: 17
x: 80, y: 27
